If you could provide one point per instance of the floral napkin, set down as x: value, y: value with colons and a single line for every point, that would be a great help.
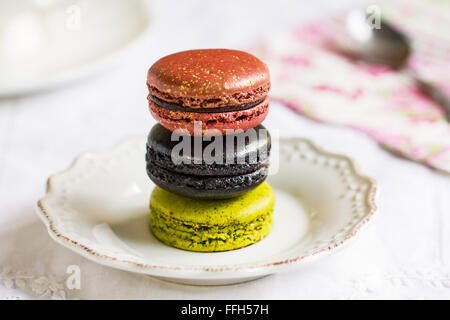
x: 312, y: 78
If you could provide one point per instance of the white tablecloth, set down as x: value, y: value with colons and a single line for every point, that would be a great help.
x: 404, y: 253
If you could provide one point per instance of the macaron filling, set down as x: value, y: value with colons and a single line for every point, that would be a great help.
x: 221, y: 122
x: 158, y: 159
x: 178, y: 107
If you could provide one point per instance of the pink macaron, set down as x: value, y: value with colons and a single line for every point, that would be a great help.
x: 209, y: 91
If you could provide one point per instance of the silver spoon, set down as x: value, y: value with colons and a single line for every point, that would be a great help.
x: 386, y: 46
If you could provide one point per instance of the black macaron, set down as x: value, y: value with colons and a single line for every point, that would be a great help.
x: 208, y: 167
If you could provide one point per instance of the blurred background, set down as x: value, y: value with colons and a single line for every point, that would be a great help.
x: 73, y: 78
x: 73, y: 73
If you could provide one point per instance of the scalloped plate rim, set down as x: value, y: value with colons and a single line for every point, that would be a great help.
x: 202, y: 272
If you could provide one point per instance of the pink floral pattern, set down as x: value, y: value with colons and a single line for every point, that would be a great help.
x: 312, y: 78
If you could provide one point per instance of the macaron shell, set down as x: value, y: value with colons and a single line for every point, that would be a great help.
x: 220, y: 122
x: 211, y: 225
x: 209, y: 78
x: 240, y: 154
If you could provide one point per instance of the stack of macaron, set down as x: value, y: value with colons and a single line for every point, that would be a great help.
x: 209, y: 153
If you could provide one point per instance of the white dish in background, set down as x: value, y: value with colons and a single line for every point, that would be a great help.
x: 48, y: 43
x: 99, y: 209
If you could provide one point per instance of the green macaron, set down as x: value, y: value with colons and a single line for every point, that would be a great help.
x: 211, y: 225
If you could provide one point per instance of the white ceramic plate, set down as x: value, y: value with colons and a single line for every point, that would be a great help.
x: 47, y: 43
x: 99, y: 209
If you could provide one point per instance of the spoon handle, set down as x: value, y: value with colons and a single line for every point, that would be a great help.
x: 433, y: 92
